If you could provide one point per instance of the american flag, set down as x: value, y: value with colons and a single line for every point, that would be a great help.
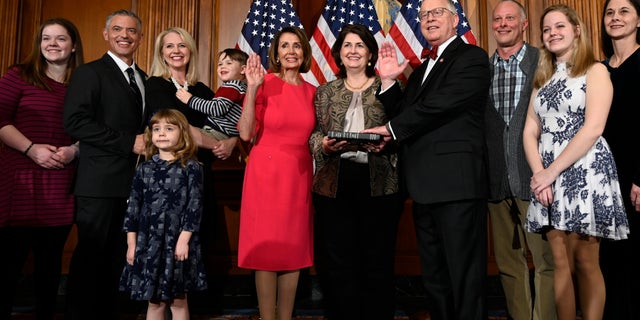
x: 336, y: 14
x: 406, y: 35
x: 464, y: 28
x: 264, y: 19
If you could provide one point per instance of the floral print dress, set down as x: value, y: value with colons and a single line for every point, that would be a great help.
x: 586, y: 196
x: 165, y: 200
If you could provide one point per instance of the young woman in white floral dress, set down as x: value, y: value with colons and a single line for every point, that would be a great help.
x: 576, y: 195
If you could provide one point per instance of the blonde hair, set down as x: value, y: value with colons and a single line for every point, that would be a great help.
x: 185, y: 149
x: 159, y: 67
x: 582, y: 56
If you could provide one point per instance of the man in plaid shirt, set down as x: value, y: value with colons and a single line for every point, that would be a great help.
x: 513, y: 66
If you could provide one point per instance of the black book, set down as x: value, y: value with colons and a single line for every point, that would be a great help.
x: 355, y: 137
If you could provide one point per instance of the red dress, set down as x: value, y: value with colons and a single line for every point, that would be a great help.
x: 276, y: 229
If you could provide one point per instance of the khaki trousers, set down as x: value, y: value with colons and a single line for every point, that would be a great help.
x: 510, y: 243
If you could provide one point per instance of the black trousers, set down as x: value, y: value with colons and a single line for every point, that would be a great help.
x: 98, y: 260
x: 356, y: 237
x: 47, y: 245
x: 620, y: 271
x: 452, y: 243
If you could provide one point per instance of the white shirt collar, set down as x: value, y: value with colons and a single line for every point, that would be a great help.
x: 444, y: 45
x: 121, y: 64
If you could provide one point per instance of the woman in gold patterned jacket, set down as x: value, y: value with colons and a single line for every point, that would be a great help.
x: 356, y: 192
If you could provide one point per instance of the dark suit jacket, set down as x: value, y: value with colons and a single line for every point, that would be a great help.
x: 440, y: 125
x: 509, y: 171
x: 101, y: 112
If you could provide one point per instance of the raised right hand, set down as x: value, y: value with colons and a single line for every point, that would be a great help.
x: 388, y: 66
x: 254, y: 71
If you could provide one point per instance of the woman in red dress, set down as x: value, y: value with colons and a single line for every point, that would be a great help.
x: 276, y: 229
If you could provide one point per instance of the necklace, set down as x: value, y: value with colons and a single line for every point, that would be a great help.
x: 178, y: 86
x: 354, y: 87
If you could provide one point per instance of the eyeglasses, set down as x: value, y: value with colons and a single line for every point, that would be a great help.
x: 436, y: 13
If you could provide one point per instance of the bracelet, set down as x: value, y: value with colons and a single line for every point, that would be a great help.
x: 28, y: 148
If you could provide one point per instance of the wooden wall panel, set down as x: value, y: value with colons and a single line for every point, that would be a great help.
x: 158, y: 15
x: 229, y: 19
x: 19, y: 21
x: 206, y: 35
x: 9, y: 19
x: 591, y: 14
x: 30, y: 18
x: 534, y: 10
x: 89, y: 17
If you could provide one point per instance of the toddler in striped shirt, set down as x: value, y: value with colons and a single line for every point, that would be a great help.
x: 225, y: 108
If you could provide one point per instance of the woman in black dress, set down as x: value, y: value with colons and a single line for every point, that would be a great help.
x: 175, y: 64
x: 621, y: 46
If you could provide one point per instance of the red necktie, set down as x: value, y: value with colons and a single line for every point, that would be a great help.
x: 431, y: 53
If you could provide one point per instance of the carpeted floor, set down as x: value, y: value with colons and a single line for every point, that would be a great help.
x: 424, y: 316
x: 233, y: 297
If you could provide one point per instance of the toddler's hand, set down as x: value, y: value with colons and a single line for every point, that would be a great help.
x: 183, y: 95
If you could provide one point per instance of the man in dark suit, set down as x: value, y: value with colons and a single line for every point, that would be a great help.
x: 438, y: 120
x: 105, y: 112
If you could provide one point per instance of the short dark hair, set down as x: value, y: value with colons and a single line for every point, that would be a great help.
x: 123, y: 12
x: 274, y: 65
x: 235, y: 55
x: 367, y: 38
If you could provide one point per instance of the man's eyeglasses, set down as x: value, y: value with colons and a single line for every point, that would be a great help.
x: 436, y: 13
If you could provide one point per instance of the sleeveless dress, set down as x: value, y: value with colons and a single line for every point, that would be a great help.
x: 586, y: 195
x: 276, y: 229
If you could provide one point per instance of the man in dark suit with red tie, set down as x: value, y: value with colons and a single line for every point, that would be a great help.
x: 438, y: 121
x: 104, y: 110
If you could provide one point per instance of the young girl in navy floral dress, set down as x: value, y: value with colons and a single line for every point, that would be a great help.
x: 164, y: 262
